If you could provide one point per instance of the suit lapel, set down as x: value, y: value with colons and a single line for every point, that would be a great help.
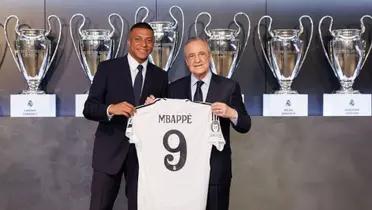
x: 213, y: 90
x: 125, y: 70
x: 148, y: 83
x: 188, y: 88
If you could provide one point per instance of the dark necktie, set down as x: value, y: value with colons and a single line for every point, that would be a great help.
x: 138, y: 85
x: 198, y: 96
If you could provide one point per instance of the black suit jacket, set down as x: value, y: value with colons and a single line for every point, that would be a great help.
x: 113, y: 84
x: 224, y: 90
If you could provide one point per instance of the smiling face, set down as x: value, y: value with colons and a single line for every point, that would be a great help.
x: 197, y: 57
x: 140, y: 44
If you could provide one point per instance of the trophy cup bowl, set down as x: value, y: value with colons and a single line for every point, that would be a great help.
x: 346, y: 53
x: 164, y: 45
x: 168, y: 38
x: 32, y: 52
x: 225, y: 45
x: 285, y: 53
x: 225, y: 48
x: 95, y: 45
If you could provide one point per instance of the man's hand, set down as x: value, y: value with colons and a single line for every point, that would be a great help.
x: 150, y: 99
x: 223, y: 110
x: 122, y: 108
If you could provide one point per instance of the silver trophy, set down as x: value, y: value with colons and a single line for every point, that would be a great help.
x: 168, y: 40
x: 95, y: 45
x: 346, y: 52
x: 225, y: 45
x: 285, y: 52
x: 32, y: 52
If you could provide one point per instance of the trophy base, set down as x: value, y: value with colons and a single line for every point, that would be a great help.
x: 33, y: 92
x: 343, y: 91
x: 285, y: 92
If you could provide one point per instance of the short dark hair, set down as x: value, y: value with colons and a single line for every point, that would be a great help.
x: 141, y: 25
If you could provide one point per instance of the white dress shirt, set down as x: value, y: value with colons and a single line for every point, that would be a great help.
x: 204, y: 89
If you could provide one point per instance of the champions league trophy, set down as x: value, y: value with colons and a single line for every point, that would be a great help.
x: 167, y: 38
x: 285, y: 52
x: 32, y: 52
x: 346, y: 52
x: 225, y: 45
x: 95, y: 45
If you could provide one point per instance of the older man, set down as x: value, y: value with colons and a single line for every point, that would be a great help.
x: 225, y: 96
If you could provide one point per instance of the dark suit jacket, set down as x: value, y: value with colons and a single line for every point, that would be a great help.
x: 220, y: 90
x: 113, y: 84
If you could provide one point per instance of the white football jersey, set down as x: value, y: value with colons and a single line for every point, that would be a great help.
x: 173, y: 139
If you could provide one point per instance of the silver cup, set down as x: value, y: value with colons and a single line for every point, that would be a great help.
x: 225, y: 45
x: 95, y: 45
x: 32, y: 52
x: 285, y: 52
x: 346, y: 52
x: 168, y: 40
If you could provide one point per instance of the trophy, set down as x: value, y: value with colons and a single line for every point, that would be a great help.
x: 95, y: 45
x: 285, y: 52
x: 225, y: 45
x: 32, y: 52
x: 346, y: 52
x: 167, y: 42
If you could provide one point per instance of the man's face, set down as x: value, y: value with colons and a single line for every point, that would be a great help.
x: 140, y: 43
x: 197, y: 58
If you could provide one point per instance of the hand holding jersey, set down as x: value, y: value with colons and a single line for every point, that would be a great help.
x: 174, y: 158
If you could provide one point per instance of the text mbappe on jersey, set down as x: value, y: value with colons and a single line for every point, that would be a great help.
x: 175, y: 118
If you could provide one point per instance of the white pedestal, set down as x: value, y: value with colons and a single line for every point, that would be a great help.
x: 33, y: 105
x: 79, y: 104
x: 285, y: 105
x: 346, y: 104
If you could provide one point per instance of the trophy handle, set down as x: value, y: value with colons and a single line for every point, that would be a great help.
x: 243, y: 47
x: 180, y: 39
x: 363, y: 30
x: 138, y: 10
x: 311, y: 35
x: 12, y: 50
x: 321, y: 38
x: 58, y: 40
x: 259, y: 37
x: 80, y: 33
x: 113, y: 30
x: 206, y: 26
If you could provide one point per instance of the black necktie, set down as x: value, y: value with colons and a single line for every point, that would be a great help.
x: 138, y: 85
x: 198, y: 96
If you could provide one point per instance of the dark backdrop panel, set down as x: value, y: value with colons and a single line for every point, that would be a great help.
x: 282, y: 164
x: 30, y: 13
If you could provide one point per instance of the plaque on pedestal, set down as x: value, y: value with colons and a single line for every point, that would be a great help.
x: 33, y: 105
x: 347, y: 105
x: 79, y: 104
x: 285, y: 105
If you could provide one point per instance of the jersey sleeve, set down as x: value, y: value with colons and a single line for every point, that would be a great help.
x: 129, y: 132
x: 215, y: 134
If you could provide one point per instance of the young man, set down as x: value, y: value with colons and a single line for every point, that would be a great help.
x: 118, y: 86
x: 225, y: 96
